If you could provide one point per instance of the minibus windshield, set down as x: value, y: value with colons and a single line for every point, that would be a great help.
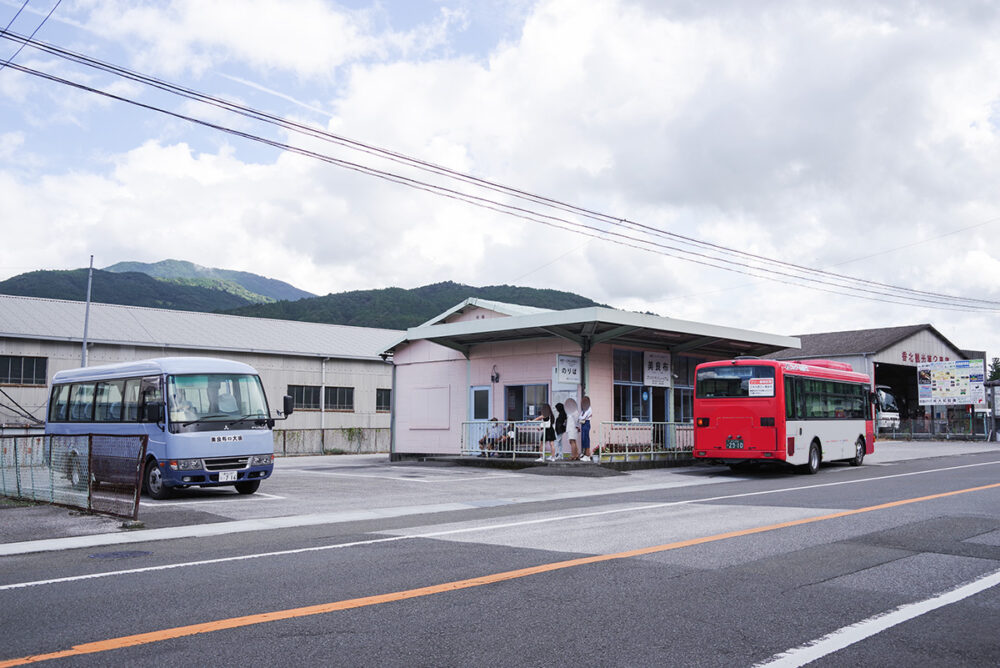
x: 215, y: 397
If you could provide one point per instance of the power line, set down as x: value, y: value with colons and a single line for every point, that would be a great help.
x: 708, y: 254
x: 8, y: 61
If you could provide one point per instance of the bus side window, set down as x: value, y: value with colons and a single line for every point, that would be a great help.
x: 789, y: 398
x: 131, y: 400
x: 150, y: 396
x: 81, y: 403
x: 108, y: 403
x: 59, y: 403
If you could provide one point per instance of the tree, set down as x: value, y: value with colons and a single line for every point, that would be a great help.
x: 994, y: 371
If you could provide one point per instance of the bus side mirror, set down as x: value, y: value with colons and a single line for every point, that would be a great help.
x: 872, y: 398
x: 289, y: 405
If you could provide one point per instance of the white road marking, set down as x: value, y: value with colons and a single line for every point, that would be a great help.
x: 403, y: 479
x: 229, y: 498
x: 855, y: 633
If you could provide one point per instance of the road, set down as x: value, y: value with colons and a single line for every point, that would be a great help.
x: 892, y: 563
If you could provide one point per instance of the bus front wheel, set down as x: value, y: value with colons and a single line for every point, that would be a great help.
x: 153, y: 482
x: 247, y: 486
x: 812, y: 466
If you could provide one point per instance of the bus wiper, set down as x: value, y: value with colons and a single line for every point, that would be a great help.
x: 251, y: 416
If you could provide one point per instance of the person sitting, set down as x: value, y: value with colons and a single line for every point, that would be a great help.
x: 493, y: 441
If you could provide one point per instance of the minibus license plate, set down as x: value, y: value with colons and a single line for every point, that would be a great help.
x: 734, y: 443
x: 230, y: 476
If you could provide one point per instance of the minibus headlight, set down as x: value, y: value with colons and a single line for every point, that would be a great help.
x: 261, y: 460
x: 185, y: 464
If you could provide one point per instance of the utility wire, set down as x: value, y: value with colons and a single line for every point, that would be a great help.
x: 891, y: 294
x: 8, y: 61
x: 490, y: 185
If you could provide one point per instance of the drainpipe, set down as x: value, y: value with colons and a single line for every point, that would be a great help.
x: 322, y: 394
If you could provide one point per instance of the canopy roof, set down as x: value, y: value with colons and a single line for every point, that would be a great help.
x: 593, y: 325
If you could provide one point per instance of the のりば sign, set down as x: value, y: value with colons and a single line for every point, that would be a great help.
x: 568, y: 369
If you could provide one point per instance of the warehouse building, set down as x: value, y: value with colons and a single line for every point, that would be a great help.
x: 341, y: 386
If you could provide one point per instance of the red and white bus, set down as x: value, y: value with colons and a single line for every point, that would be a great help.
x: 751, y: 410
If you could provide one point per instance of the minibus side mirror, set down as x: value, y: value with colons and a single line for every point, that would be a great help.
x: 289, y: 406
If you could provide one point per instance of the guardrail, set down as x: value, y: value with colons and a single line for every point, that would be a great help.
x: 94, y: 472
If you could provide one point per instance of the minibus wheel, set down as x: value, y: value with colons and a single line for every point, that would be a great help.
x: 152, y: 481
x: 247, y: 486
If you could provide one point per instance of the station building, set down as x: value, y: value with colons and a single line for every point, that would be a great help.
x: 339, y: 382
x: 484, y: 359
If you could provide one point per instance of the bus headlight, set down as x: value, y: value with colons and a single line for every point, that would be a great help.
x: 185, y: 464
x: 261, y: 460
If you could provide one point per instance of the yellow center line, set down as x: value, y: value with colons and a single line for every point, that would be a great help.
x: 292, y: 613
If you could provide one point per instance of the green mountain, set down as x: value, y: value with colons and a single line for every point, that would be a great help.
x: 252, y: 287
x: 130, y: 288
x: 396, y: 308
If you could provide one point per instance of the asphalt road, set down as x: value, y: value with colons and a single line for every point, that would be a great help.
x: 358, y: 562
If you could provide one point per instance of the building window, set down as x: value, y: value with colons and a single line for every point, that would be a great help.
x: 524, y: 402
x: 304, y: 396
x: 15, y: 370
x: 339, y: 398
x: 632, y: 398
x: 383, y: 401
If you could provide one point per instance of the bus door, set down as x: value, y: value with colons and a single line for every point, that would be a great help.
x: 152, y: 415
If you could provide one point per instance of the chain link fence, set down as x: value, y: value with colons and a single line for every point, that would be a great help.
x: 93, y: 472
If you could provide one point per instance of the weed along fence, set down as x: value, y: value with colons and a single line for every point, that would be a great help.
x: 92, y: 472
x: 617, y: 441
x: 350, y: 440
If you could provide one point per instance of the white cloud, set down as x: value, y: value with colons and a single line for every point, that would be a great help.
x: 815, y: 136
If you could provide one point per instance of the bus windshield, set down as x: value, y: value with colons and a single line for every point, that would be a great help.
x: 719, y: 382
x: 215, y: 397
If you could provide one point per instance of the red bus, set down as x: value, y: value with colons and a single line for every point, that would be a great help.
x: 751, y: 410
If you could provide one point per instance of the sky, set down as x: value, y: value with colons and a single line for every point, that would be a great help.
x: 857, y: 137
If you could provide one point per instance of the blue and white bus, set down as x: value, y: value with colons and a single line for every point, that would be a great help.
x: 207, y: 420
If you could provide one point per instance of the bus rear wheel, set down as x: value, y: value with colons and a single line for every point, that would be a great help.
x: 247, y: 486
x: 812, y: 466
x: 153, y: 483
x: 859, y: 453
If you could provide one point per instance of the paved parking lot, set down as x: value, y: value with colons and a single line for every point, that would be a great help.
x: 340, y: 488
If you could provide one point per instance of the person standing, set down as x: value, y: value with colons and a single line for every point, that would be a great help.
x: 548, y: 431
x: 560, y: 428
x: 573, y: 428
x: 585, y: 415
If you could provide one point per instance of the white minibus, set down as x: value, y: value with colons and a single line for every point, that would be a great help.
x: 207, y: 420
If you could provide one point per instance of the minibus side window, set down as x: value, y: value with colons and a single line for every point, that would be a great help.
x: 81, y: 403
x: 59, y: 403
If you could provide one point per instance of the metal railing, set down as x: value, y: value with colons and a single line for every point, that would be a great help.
x: 98, y: 473
x: 645, y: 441
x: 972, y: 428
x: 614, y: 441
x: 521, y: 439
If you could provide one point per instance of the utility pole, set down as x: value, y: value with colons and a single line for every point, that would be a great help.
x: 86, y: 313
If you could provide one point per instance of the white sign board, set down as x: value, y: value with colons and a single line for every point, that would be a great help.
x: 567, y: 370
x: 957, y: 382
x: 657, y: 369
x: 761, y: 387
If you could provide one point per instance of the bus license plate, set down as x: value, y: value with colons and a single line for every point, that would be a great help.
x: 734, y: 443
x: 230, y: 476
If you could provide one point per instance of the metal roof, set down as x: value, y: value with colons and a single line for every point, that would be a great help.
x: 855, y: 342
x: 58, y: 320
x: 593, y: 325
x: 498, y: 307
